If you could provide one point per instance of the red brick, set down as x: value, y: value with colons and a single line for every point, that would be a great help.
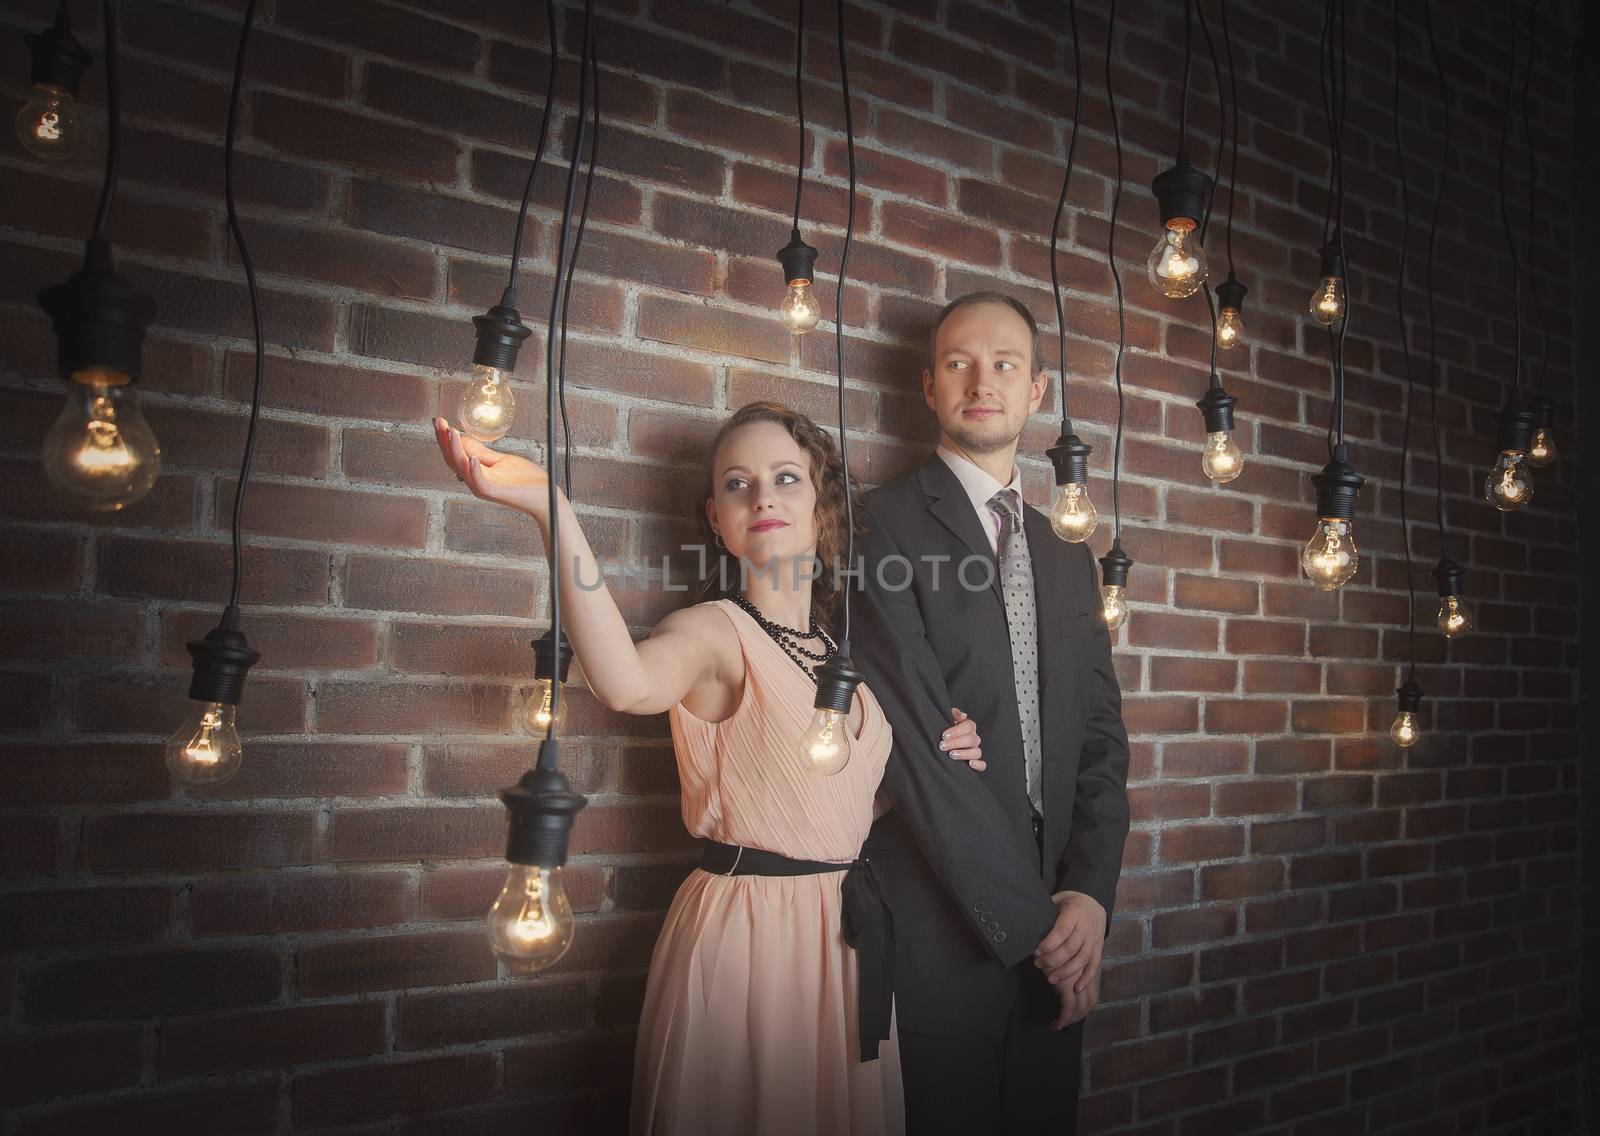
x: 201, y: 572
x: 29, y: 845
x: 284, y: 903
x: 714, y: 330
x: 936, y: 233
x: 192, y: 840
x: 1164, y: 802
x: 42, y: 562
x: 221, y: 306
x: 43, y: 773
x: 374, y: 1090
x: 391, y: 962
x: 265, y: 1039
x: 1199, y: 925
x: 1183, y: 843
x: 77, y: 630
x: 331, y: 389
x: 417, y: 833
x: 249, y: 1109
x: 161, y: 982
x: 568, y: 1063
x: 327, y: 515
x: 1240, y: 881
x: 286, y: 641
x: 1175, y: 632
x: 369, y: 27
x: 430, y: 1021
x: 155, y: 157
x: 1245, y: 716
x: 440, y: 587
x: 42, y: 1066
x: 1169, y: 673
x: 39, y: 920
x: 1204, y: 759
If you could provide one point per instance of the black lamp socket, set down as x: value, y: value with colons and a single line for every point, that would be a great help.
x: 500, y: 335
x: 1545, y: 408
x: 1331, y: 257
x: 1217, y: 407
x: 1230, y: 294
x: 221, y: 661
x: 541, y: 810
x: 59, y: 60
x: 1337, y: 487
x: 799, y: 260
x: 1410, y: 695
x: 1181, y: 191
x: 548, y: 660
x: 98, y: 316
x: 1451, y: 577
x: 1114, y: 566
x: 1070, y: 456
x: 1517, y: 424
x: 837, y: 679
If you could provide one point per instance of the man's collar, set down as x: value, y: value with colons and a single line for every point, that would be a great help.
x: 979, y: 486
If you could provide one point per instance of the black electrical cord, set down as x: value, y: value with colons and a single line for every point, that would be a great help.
x: 1511, y: 236
x: 1505, y: 209
x: 577, y: 243
x: 1343, y: 250
x: 800, y: 104
x: 1533, y: 189
x: 1433, y: 241
x: 547, y: 753
x: 1233, y: 101
x: 838, y: 317
x: 1335, y: 71
x: 1111, y: 258
x: 1405, y: 351
x: 1061, y: 204
x: 538, y: 150
x: 250, y: 281
x: 1216, y: 175
x: 1183, y: 105
x: 108, y: 187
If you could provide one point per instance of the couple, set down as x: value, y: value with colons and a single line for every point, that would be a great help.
x: 975, y: 884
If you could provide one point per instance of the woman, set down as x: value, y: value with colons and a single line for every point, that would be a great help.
x: 750, y: 1019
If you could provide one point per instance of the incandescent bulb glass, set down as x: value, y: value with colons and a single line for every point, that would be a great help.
x: 536, y: 711
x: 1176, y: 267
x: 1072, y: 514
x: 1404, y: 731
x: 1230, y: 328
x: 1543, y: 450
x: 487, y: 405
x: 1453, y: 618
x: 206, y: 748
x: 101, y: 453
x: 1508, y: 486
x: 1222, y: 460
x: 800, y: 309
x: 1115, y: 606
x: 530, y: 924
x: 825, y: 748
x: 48, y: 125
x: 1329, y: 559
x: 1327, y: 302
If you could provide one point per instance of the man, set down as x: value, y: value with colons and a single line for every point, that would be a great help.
x: 1001, y: 883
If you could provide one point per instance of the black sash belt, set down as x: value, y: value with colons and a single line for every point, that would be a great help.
x: 868, y: 924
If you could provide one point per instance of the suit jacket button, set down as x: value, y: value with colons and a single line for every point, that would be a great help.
x: 992, y: 926
x: 999, y: 936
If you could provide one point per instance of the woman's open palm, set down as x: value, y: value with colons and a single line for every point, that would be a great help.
x: 494, y: 476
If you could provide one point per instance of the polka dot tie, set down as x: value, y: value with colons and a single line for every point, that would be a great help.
x: 1016, y: 586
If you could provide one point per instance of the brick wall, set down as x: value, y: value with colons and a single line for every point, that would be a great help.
x: 1316, y: 932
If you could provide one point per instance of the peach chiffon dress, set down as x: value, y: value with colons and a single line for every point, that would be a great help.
x: 749, y: 1021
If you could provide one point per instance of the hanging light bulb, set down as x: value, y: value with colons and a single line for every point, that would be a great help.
x: 531, y: 921
x: 1329, y: 558
x: 488, y: 408
x: 48, y: 125
x: 531, y: 924
x: 1222, y: 460
x: 1230, y: 299
x: 1176, y: 266
x: 1542, y: 452
x: 205, y: 749
x: 1454, y: 619
x: 549, y: 668
x: 799, y: 310
x: 1508, y: 486
x: 1405, y: 730
x: 1072, y: 515
x: 101, y: 453
x: 825, y: 745
x: 1114, y: 567
x: 1328, y: 302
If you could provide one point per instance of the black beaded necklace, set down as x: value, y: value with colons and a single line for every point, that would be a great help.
x: 791, y: 638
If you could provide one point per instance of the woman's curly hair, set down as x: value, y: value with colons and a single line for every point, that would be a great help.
x: 827, y: 478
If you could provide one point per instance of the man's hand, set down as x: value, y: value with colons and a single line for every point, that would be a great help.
x: 1076, y: 1006
x: 1069, y: 954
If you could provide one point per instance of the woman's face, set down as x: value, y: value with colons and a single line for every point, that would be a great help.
x: 763, y: 502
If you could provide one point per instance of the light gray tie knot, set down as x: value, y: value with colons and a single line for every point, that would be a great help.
x: 1005, y: 503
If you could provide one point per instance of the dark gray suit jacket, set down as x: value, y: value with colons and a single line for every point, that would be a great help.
x: 967, y: 886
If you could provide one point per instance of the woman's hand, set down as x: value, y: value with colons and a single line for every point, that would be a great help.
x: 961, y: 741
x: 493, y: 476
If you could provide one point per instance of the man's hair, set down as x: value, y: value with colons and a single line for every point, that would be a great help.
x: 1011, y: 302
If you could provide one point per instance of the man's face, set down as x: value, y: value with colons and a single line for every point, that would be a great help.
x: 983, y: 386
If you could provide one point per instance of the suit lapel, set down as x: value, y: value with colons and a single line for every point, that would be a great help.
x: 949, y: 503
